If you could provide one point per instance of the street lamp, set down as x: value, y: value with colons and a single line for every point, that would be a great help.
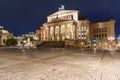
x: 23, y: 45
x: 111, y: 38
x: 24, y: 42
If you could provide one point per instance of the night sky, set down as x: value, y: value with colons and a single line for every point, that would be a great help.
x: 23, y: 16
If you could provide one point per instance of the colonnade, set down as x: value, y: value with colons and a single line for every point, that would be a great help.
x: 59, y: 32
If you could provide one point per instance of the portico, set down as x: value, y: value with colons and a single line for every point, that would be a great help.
x: 58, y: 31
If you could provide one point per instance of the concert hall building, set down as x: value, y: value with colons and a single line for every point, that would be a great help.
x: 70, y: 25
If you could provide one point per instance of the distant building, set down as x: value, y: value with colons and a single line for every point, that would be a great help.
x: 118, y: 41
x: 4, y: 35
x: 102, y: 31
x: 19, y: 40
x: 29, y: 39
x: 70, y: 25
x: 30, y: 34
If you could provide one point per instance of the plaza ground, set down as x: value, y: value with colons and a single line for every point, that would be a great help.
x: 59, y: 64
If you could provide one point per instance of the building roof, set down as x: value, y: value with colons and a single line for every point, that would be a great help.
x: 62, y: 12
x: 4, y: 31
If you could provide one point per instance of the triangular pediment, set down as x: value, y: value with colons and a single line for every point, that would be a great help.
x: 62, y: 12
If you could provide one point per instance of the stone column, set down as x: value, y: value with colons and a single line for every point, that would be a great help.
x: 41, y: 35
x: 49, y: 37
x: 71, y: 30
x: 65, y: 31
x: 74, y: 32
x: 59, y: 33
x: 54, y: 33
x: 44, y: 32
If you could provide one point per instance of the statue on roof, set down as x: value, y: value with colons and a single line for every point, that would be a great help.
x: 62, y: 7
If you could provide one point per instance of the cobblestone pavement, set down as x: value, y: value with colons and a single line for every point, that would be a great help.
x: 58, y: 64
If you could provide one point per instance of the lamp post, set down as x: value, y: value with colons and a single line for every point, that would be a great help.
x: 24, y: 42
x: 111, y: 38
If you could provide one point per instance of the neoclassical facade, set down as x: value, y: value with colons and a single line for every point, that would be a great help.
x: 4, y: 35
x: 70, y: 25
x: 64, y: 24
x: 58, y: 31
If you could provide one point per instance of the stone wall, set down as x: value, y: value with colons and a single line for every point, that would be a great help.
x: 69, y: 43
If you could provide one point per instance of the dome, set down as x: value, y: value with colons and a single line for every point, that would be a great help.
x: 4, y: 31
